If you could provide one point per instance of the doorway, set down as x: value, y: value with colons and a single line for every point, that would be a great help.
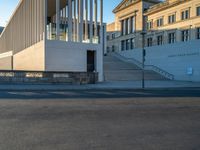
x: 91, y: 61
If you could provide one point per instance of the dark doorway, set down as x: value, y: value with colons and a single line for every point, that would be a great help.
x: 90, y: 61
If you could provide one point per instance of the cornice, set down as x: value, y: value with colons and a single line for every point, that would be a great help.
x: 163, y: 6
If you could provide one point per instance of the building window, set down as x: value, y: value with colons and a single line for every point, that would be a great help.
x: 172, y: 19
x: 150, y: 42
x: 185, y: 35
x: 159, y: 40
x: 108, y: 37
x: 123, y: 45
x: 127, y: 44
x: 113, y: 48
x: 113, y: 36
x: 149, y: 25
x: 198, y: 33
x: 172, y: 38
x: 160, y: 22
x: 185, y: 14
x: 132, y: 43
x: 198, y: 11
x: 108, y: 48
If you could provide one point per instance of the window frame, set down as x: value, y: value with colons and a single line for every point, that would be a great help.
x: 149, y: 24
x: 184, y: 15
x: 123, y: 48
x: 160, y: 22
x: 132, y: 43
x: 198, y: 10
x: 172, y: 37
x: 172, y: 18
x: 198, y: 33
x: 160, y: 40
x: 185, y: 35
x: 127, y: 43
x: 149, y: 42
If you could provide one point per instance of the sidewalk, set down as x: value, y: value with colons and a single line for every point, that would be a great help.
x: 102, y: 86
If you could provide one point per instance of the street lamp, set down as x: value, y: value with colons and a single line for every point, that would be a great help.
x: 143, y: 33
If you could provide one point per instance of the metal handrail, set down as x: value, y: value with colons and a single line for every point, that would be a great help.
x: 153, y: 67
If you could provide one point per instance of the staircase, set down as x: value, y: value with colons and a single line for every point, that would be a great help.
x: 117, y: 70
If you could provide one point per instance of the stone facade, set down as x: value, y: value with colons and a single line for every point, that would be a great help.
x: 164, y: 22
x: 180, y: 22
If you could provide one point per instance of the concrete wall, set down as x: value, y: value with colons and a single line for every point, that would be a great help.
x: 176, y: 59
x: 6, y: 61
x: 30, y: 59
x: 72, y: 57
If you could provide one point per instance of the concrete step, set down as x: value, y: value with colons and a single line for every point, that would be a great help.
x: 118, y: 70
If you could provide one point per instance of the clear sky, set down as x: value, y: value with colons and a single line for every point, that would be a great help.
x: 8, y: 6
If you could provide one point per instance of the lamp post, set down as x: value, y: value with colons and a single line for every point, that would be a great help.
x: 143, y: 33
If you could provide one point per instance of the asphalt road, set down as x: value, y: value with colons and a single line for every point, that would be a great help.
x: 100, y: 120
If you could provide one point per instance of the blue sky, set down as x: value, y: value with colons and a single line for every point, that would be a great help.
x: 8, y: 6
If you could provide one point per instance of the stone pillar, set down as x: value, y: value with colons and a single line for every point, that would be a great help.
x: 101, y: 22
x: 57, y: 19
x: 95, y: 19
x: 69, y: 20
x: 122, y: 27
x: 86, y: 19
x: 91, y: 21
x: 80, y: 20
x: 75, y: 21
x: 45, y: 21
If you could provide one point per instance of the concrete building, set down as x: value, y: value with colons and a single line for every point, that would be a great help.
x: 55, y: 35
x: 171, y: 42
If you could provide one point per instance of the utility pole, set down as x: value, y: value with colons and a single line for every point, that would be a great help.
x: 143, y: 33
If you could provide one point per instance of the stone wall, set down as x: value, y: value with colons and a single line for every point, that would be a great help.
x: 180, y: 59
x: 33, y: 77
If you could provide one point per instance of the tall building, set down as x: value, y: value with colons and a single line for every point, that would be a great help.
x: 55, y: 35
x: 165, y: 22
x: 124, y: 32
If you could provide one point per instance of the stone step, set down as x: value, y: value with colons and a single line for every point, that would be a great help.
x: 118, y: 70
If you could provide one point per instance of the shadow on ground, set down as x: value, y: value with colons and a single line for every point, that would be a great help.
x: 90, y: 94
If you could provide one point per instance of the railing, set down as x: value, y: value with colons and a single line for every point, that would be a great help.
x: 146, y: 67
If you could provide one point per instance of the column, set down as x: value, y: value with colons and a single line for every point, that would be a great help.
x: 75, y: 21
x: 58, y: 19
x: 95, y: 19
x: 91, y: 20
x: 122, y: 27
x: 101, y: 23
x: 69, y: 20
x: 80, y: 20
x: 43, y: 18
x: 86, y: 19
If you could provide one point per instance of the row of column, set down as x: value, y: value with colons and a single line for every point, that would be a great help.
x: 82, y: 19
x: 128, y: 25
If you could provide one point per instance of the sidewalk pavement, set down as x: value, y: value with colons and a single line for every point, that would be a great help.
x: 124, y: 85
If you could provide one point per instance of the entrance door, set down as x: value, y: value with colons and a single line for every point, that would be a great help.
x: 91, y: 61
